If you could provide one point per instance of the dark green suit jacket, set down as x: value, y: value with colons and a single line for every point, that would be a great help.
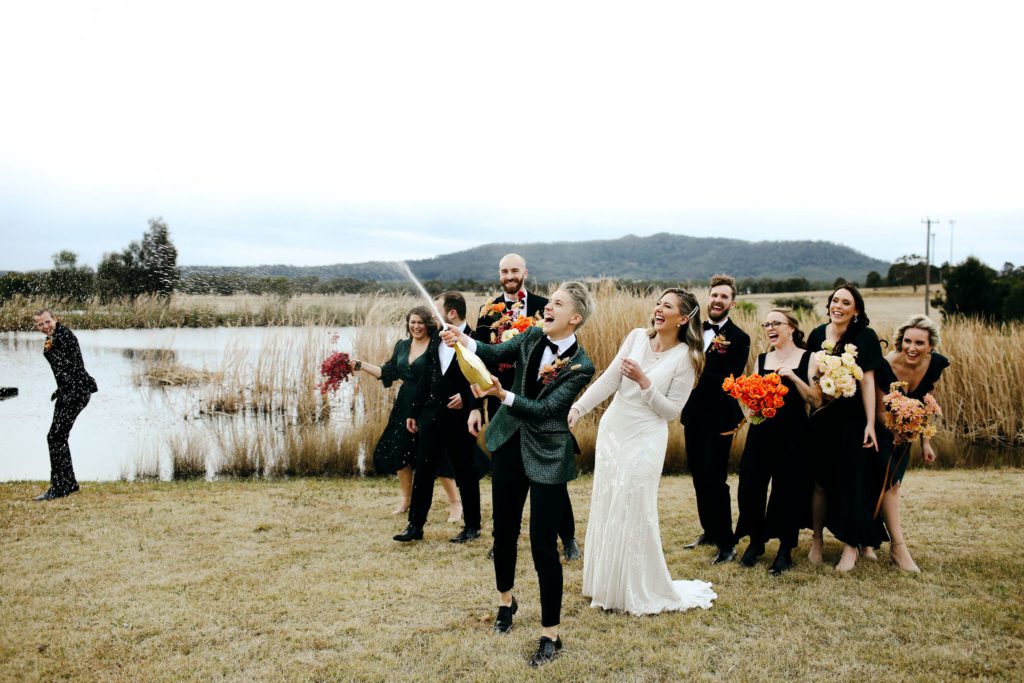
x: 542, y: 422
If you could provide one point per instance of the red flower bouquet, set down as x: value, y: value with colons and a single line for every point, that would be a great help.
x: 335, y: 369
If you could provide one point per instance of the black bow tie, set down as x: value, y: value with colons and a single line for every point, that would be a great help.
x: 708, y: 325
x: 552, y: 345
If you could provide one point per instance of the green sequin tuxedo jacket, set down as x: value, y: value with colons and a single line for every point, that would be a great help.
x: 542, y: 421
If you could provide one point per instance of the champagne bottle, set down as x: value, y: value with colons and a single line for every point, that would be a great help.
x: 472, y: 367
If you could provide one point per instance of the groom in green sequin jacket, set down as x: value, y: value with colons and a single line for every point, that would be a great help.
x: 534, y: 452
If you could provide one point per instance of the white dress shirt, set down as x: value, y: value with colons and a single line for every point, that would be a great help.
x: 709, y: 335
x: 446, y: 353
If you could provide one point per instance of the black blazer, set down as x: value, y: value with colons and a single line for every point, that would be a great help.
x: 506, y: 372
x: 709, y: 407
x: 65, y: 359
x: 435, y: 389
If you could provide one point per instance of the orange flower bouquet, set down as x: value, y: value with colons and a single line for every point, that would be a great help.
x: 763, y: 396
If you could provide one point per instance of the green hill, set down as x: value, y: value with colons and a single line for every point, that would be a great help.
x: 658, y: 257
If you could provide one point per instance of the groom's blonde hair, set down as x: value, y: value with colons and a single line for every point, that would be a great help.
x: 581, y: 299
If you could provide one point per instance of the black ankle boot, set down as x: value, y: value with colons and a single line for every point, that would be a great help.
x: 783, y: 561
x: 750, y: 555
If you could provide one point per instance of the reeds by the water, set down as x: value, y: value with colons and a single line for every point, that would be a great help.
x: 190, y: 311
x: 283, y: 426
x: 977, y: 392
x: 188, y: 455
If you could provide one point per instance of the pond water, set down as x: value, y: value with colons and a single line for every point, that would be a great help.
x: 127, y: 422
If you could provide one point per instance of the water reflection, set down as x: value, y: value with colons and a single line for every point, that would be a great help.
x: 131, y: 427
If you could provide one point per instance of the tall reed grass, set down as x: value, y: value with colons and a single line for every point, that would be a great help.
x: 977, y: 392
x: 283, y: 426
x: 190, y: 311
x: 188, y: 453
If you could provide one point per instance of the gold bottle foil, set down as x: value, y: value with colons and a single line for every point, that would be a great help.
x: 472, y: 367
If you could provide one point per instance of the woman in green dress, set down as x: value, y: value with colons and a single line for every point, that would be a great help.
x: 396, y: 450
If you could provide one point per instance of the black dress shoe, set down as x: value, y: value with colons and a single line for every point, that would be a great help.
x: 701, y: 540
x: 572, y: 550
x: 411, y: 533
x: 724, y: 555
x: 503, y: 622
x: 48, y: 494
x: 782, y: 562
x: 467, y: 534
x: 547, y: 650
x: 750, y: 555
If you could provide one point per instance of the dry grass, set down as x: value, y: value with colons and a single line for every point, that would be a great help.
x: 160, y: 368
x: 188, y: 451
x: 281, y: 380
x: 299, y: 580
x: 191, y: 311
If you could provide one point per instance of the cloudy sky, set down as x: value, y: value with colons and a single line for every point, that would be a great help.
x: 313, y: 133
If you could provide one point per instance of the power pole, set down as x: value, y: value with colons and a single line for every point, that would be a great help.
x: 928, y: 261
x: 951, y: 224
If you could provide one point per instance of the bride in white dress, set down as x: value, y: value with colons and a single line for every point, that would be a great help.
x: 651, y: 376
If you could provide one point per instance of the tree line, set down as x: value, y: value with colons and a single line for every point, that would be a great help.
x: 149, y: 267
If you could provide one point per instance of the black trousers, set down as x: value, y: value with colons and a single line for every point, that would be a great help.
x: 567, y: 528
x: 65, y: 411
x: 446, y: 432
x: 509, y: 488
x: 707, y: 454
x: 761, y: 517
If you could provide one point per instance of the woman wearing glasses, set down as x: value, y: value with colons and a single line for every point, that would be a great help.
x: 775, y: 451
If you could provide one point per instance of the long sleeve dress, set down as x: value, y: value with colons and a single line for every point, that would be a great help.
x: 624, y: 566
x: 397, y: 446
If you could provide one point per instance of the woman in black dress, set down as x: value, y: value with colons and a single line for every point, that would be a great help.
x: 843, y: 438
x: 396, y: 449
x: 775, y: 449
x: 914, y: 361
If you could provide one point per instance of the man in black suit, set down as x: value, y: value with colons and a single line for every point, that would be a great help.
x: 518, y: 301
x: 440, y: 411
x: 74, y: 389
x: 712, y: 417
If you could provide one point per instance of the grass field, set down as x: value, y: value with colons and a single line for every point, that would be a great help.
x: 300, y: 580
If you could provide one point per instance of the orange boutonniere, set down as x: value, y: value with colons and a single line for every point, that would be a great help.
x: 549, y: 372
x: 48, y: 344
x: 720, y: 344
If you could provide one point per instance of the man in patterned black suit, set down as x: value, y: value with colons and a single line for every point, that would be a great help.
x: 518, y: 301
x: 711, y: 418
x: 74, y: 389
x: 534, y: 452
x: 439, y: 413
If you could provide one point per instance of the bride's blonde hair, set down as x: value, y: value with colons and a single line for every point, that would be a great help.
x: 692, y: 333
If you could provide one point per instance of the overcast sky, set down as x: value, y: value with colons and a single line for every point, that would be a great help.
x: 313, y: 133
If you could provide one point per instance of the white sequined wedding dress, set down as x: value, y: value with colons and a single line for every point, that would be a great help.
x: 623, y: 562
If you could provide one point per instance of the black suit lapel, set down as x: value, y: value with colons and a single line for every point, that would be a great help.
x: 530, y: 384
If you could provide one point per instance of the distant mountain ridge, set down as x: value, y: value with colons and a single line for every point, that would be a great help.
x: 663, y: 256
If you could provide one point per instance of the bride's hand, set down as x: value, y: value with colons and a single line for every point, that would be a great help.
x: 631, y: 370
x: 574, y: 416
